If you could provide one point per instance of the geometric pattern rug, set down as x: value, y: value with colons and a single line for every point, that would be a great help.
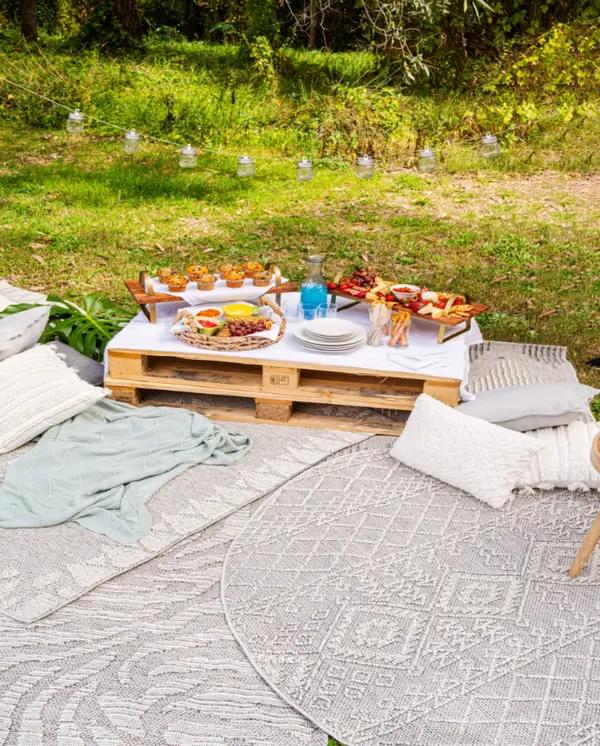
x: 390, y: 608
x: 43, y: 569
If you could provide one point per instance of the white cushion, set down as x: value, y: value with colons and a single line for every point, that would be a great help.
x: 482, y: 459
x: 535, y: 406
x: 565, y: 459
x: 38, y: 390
x: 20, y: 331
x: 19, y: 295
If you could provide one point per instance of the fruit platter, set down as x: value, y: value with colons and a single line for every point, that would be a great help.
x: 443, y: 308
x: 230, y: 326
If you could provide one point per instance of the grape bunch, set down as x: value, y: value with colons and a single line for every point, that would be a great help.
x: 243, y: 327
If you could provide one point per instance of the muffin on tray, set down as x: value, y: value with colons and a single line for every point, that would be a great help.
x: 251, y: 268
x: 234, y: 278
x: 227, y: 267
x: 177, y: 283
x: 206, y: 282
x: 262, y: 279
x: 194, y: 271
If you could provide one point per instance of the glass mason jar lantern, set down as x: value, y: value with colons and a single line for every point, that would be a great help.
x: 245, y: 166
x: 188, y: 157
x: 131, y: 142
x: 489, y: 146
x: 365, y: 167
x: 304, y: 170
x: 426, y: 163
x: 75, y: 122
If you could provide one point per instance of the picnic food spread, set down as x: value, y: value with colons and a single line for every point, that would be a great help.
x: 392, y: 304
x: 365, y: 285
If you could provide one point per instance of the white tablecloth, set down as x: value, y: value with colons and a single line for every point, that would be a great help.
x: 424, y: 355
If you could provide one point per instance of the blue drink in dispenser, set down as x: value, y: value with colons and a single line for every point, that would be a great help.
x: 313, y: 293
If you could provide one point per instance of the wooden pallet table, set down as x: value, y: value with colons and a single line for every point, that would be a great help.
x: 275, y: 386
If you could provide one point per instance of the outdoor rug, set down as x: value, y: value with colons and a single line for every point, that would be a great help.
x: 146, y: 659
x: 392, y: 609
x: 44, y: 569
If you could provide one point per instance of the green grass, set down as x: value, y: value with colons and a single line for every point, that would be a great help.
x: 79, y: 216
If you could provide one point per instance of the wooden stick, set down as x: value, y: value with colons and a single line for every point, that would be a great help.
x: 587, y: 547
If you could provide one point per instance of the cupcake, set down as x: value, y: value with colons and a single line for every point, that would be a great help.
x: 234, y: 278
x: 177, y: 283
x: 262, y: 279
x: 164, y: 273
x: 195, y: 270
x: 251, y: 268
x: 206, y: 282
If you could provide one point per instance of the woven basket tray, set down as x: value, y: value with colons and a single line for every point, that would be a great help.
x: 235, y: 344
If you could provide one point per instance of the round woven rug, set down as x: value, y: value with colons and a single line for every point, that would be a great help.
x: 392, y: 609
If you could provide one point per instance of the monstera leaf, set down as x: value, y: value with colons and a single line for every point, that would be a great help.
x: 87, y: 328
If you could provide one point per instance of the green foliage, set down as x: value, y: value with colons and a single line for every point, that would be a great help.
x: 87, y: 328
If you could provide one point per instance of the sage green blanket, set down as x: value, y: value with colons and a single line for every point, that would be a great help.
x: 100, y: 467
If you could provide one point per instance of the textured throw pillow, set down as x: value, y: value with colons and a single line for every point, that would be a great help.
x: 484, y: 460
x: 565, y: 460
x: 87, y: 369
x: 38, y: 390
x: 20, y: 331
x: 531, y: 407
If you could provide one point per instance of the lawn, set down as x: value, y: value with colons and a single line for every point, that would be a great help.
x: 78, y: 215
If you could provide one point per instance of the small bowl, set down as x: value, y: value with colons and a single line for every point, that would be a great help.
x: 213, y: 313
x: 240, y: 310
x: 405, y: 292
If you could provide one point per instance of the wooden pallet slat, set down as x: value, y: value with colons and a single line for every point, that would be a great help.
x: 275, y: 387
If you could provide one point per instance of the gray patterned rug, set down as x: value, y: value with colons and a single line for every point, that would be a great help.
x: 147, y: 659
x: 393, y: 610
x: 41, y: 570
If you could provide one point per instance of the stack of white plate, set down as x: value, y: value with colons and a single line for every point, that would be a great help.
x: 330, y: 335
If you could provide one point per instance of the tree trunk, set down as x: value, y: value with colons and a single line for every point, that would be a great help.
x: 128, y: 15
x: 312, y: 24
x: 29, y: 19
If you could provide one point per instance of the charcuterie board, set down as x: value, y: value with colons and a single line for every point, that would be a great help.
x: 446, y: 310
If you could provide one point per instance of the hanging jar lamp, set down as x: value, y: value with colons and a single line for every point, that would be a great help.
x: 365, y: 167
x: 131, y: 142
x: 75, y: 122
x: 245, y: 167
x: 489, y: 146
x: 426, y: 163
x: 188, y: 157
x: 304, y: 170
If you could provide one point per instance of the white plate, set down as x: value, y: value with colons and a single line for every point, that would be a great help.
x: 330, y: 349
x: 331, y: 328
x: 358, y: 337
x: 357, y: 341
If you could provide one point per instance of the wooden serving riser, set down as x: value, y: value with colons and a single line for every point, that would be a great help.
x: 143, y: 293
x: 275, y: 387
x: 442, y: 324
